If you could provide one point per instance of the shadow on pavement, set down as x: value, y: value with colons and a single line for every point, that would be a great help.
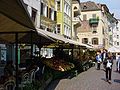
x: 103, y: 79
x: 52, y: 85
x: 116, y: 80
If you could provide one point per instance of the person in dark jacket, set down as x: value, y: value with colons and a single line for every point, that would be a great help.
x: 104, y: 56
x: 9, y: 68
x: 109, y: 67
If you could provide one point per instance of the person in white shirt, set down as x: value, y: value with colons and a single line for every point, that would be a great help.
x: 118, y: 63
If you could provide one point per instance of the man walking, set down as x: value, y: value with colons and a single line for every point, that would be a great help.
x: 99, y: 60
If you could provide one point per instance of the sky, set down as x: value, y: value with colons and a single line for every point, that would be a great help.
x: 113, y: 5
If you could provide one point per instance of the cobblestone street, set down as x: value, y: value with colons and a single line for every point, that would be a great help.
x: 91, y: 79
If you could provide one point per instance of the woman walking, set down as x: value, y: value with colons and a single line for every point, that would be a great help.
x: 109, y: 68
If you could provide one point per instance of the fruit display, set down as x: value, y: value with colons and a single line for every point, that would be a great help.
x: 58, y: 64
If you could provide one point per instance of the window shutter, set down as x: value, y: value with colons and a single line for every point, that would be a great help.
x: 41, y: 8
x: 49, y: 13
x: 55, y: 15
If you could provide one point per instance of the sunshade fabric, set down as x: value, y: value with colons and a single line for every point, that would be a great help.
x: 61, y: 38
x: 53, y: 36
x: 40, y: 39
x: 13, y: 18
x: 15, y: 10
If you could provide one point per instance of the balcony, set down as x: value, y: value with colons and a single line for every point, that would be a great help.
x: 93, y: 21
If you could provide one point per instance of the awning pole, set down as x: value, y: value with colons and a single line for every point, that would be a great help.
x: 16, y: 55
x: 72, y: 52
x: 31, y: 45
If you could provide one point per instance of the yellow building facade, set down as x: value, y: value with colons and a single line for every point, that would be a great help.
x: 48, y: 15
x: 64, y: 18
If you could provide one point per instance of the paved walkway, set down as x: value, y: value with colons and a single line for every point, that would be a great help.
x: 91, y: 79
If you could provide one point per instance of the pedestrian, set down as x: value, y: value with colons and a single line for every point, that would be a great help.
x: 118, y: 63
x: 99, y: 60
x: 104, y: 56
x: 109, y: 68
x: 9, y: 68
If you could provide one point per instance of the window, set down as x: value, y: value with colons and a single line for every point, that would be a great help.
x: 34, y: 13
x: 117, y: 36
x: 44, y: 9
x: 94, y: 29
x: 50, y: 10
x: 58, y: 5
x: 55, y: 16
x: 103, y: 42
x: 85, y: 40
x: 95, y: 41
x: 84, y: 17
x: 118, y: 43
x: 58, y: 28
x: 103, y: 32
x: 52, y: 14
x: 84, y: 7
x: 75, y: 7
x: 94, y: 15
x: 41, y: 8
x: 117, y: 28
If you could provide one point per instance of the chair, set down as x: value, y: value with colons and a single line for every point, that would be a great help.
x: 32, y: 75
x: 24, y: 80
x: 36, y: 71
x: 2, y: 87
x: 9, y: 85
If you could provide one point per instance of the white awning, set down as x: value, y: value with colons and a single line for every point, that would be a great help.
x: 60, y: 38
x: 53, y: 36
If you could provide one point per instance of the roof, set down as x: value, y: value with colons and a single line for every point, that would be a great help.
x: 89, y: 6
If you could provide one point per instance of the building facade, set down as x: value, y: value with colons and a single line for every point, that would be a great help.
x: 116, y: 35
x: 76, y: 21
x: 64, y: 18
x: 48, y: 15
x: 33, y: 7
x: 94, y: 29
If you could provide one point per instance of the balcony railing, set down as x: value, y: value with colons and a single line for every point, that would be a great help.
x: 93, y: 21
